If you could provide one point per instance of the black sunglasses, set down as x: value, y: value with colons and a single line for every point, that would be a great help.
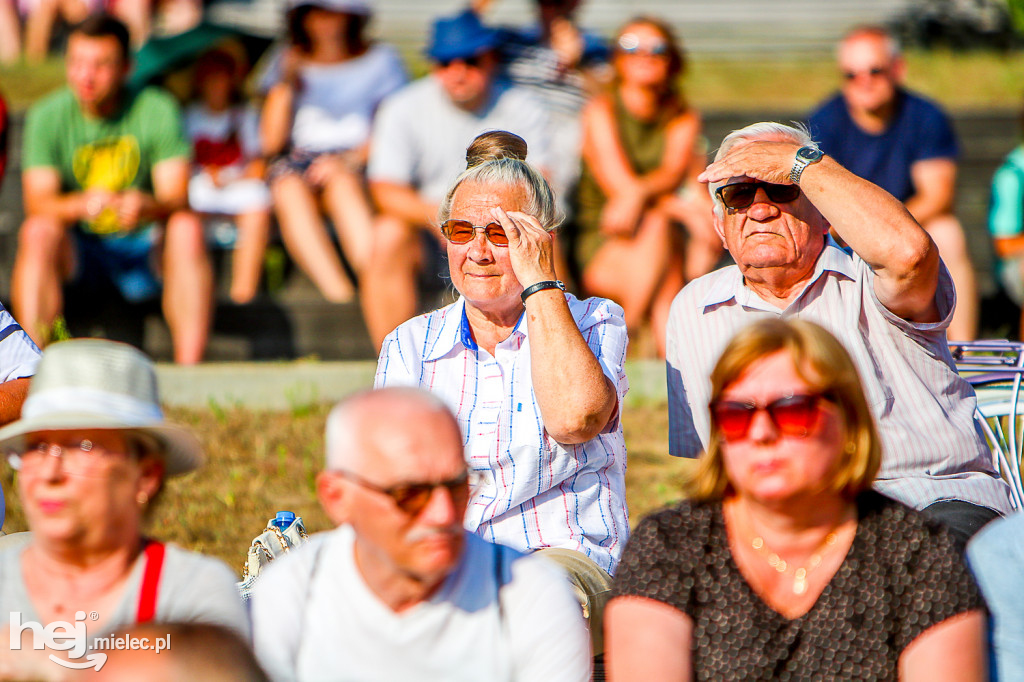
x: 411, y: 498
x: 792, y: 415
x: 741, y: 194
x: 874, y: 73
x: 463, y: 232
x: 472, y: 62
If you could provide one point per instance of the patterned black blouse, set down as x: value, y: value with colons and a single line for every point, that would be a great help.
x: 901, y: 576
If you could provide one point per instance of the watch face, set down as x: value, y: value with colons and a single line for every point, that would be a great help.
x: 809, y: 153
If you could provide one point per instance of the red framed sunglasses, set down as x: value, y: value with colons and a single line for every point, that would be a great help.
x: 792, y: 415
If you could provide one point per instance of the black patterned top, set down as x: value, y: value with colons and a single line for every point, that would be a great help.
x: 901, y: 576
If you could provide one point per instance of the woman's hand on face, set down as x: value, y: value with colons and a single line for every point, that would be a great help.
x: 758, y: 160
x: 530, y: 247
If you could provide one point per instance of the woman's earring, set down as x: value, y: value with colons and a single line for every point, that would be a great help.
x: 142, y: 498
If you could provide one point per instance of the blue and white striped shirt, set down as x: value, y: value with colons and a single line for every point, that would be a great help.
x: 529, y: 491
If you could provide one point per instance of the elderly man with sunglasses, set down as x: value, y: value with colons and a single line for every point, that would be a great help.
x: 888, y: 298
x: 400, y: 591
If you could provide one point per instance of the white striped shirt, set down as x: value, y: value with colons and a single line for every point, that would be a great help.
x: 932, y: 448
x: 18, y: 354
x: 529, y: 491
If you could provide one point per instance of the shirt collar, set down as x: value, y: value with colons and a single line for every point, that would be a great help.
x: 455, y: 329
x: 833, y: 258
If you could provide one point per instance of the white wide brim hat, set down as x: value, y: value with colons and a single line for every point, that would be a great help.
x: 97, y: 384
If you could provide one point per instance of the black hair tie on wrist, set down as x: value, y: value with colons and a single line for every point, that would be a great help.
x: 541, y: 286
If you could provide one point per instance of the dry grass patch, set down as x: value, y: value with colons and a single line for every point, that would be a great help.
x: 260, y: 462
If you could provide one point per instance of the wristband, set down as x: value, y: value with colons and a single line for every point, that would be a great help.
x: 541, y: 286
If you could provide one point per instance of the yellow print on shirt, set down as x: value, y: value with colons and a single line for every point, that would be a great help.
x: 111, y: 164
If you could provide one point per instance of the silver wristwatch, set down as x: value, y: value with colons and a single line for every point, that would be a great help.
x: 805, y: 156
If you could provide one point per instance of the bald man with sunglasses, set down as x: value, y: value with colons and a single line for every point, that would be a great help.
x: 888, y: 298
x: 400, y: 590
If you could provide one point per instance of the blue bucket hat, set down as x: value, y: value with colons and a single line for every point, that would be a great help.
x: 460, y: 37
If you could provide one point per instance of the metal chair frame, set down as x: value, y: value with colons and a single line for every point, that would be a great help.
x: 996, y: 371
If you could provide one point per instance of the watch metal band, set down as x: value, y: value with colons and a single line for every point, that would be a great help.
x: 541, y: 286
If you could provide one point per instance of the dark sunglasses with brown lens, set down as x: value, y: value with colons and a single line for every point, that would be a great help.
x: 741, y: 194
x: 463, y: 232
x: 411, y: 498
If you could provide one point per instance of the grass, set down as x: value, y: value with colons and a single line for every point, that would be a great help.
x: 961, y: 81
x: 260, y: 462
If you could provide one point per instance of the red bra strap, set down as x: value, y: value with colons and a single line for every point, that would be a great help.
x: 150, y: 581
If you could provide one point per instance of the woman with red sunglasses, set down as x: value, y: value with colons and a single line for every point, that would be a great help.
x: 783, y: 559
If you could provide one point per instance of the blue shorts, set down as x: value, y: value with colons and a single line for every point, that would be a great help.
x: 124, y: 260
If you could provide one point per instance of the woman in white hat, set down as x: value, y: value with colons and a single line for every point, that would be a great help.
x: 321, y: 97
x: 92, y: 450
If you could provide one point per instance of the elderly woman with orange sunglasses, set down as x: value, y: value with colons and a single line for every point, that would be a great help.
x: 534, y: 375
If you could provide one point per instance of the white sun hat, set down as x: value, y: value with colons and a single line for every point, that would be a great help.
x: 98, y: 384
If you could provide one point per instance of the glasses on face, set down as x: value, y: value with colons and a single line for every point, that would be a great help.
x: 874, y: 72
x: 411, y: 498
x: 741, y: 194
x: 463, y: 232
x: 629, y: 43
x: 472, y: 62
x: 77, y: 458
x: 792, y: 415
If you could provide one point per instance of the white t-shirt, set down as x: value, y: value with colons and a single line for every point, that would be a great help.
x: 335, y: 103
x: 420, y: 136
x: 314, y: 618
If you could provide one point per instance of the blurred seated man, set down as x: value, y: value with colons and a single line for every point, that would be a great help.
x: 419, y: 141
x: 888, y: 300
x: 903, y: 143
x: 400, y: 591
x: 105, y: 182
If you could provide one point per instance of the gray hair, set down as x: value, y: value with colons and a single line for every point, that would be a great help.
x: 765, y: 130
x: 509, y: 171
x: 347, y: 421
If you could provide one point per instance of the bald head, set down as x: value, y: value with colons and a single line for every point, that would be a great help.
x: 876, y: 35
x: 369, y: 425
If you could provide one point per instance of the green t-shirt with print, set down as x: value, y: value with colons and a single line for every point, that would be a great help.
x: 114, y: 153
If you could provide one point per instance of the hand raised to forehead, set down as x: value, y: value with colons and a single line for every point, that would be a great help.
x: 530, y: 247
x: 758, y: 160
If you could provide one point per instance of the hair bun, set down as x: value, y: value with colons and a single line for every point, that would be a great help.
x: 495, y: 144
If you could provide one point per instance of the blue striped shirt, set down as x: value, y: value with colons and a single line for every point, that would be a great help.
x: 529, y: 491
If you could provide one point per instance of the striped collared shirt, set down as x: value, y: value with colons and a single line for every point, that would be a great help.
x: 932, y: 448
x: 529, y: 491
x: 18, y: 354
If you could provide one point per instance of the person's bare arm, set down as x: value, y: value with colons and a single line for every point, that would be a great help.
x: 403, y: 202
x: 170, y: 194
x: 1008, y: 247
x: 43, y: 197
x: 575, y: 398
x: 869, y: 219
x: 276, y: 120
x: 953, y: 650
x: 12, y: 395
x: 629, y: 192
x: 646, y: 639
x: 934, y: 184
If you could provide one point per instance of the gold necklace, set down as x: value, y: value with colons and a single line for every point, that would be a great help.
x: 782, y: 566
